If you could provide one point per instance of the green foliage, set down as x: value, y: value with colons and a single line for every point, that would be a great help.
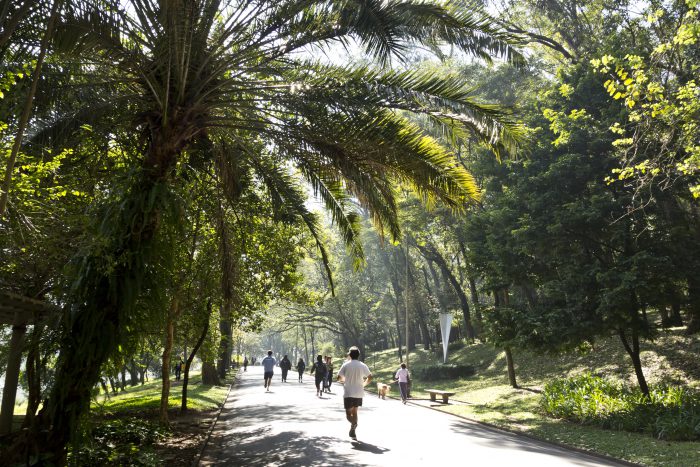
x: 126, y: 441
x: 670, y: 413
x: 658, y: 85
x: 443, y: 372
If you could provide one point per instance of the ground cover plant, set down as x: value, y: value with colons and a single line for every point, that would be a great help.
x: 124, y: 428
x: 669, y: 413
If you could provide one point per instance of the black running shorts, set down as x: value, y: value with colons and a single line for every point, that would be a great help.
x: 352, y: 402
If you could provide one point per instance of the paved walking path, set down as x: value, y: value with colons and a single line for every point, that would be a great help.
x: 290, y: 426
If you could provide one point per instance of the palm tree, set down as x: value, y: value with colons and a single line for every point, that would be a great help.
x: 233, y: 82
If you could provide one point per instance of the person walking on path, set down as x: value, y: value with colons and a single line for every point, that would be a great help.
x: 245, y: 364
x: 355, y: 375
x: 403, y: 378
x: 268, y: 364
x: 285, y: 365
x: 318, y: 369
x: 301, y: 366
x: 329, y: 373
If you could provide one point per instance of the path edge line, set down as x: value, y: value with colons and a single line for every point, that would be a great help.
x: 198, y: 457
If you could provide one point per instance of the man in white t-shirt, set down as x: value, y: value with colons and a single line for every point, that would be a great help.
x: 355, y: 375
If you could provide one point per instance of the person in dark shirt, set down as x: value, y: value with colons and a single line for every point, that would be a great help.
x: 301, y: 366
x: 285, y: 366
x: 319, y: 371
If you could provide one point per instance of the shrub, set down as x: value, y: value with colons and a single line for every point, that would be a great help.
x: 668, y: 413
x: 454, y: 346
x: 119, y: 442
x: 437, y: 372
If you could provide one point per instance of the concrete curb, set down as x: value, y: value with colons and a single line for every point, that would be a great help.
x: 198, y: 457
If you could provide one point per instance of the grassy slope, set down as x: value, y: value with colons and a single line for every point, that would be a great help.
x: 146, y: 398
x: 673, y: 358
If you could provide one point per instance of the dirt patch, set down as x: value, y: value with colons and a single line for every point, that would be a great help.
x: 188, y: 433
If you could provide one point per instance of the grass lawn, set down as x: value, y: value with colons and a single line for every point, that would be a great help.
x: 672, y: 359
x: 146, y: 398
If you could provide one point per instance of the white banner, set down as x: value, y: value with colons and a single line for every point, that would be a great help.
x: 445, y: 326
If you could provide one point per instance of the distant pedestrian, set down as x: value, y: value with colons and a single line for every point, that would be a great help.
x: 403, y: 377
x: 268, y: 364
x: 329, y: 373
x: 318, y: 369
x: 301, y: 366
x: 245, y: 364
x: 285, y: 366
x: 356, y: 376
x: 178, y: 369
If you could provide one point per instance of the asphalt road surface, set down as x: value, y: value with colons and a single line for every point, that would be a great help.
x: 290, y: 426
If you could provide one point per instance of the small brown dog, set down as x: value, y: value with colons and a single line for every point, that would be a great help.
x: 382, y: 390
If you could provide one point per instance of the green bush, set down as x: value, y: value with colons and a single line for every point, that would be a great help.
x: 455, y: 346
x: 437, y: 372
x: 668, y: 413
x: 119, y: 442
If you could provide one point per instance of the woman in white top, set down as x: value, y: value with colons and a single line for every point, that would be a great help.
x: 403, y: 378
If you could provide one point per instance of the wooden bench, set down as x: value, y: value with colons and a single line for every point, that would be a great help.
x: 436, y: 392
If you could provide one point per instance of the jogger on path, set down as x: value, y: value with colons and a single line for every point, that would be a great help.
x: 356, y: 376
x: 268, y: 364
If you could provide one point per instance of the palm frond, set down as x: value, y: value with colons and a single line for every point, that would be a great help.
x: 286, y: 195
x: 335, y: 201
x: 447, y: 99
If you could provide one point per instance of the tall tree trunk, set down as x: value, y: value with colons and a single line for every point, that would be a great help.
x: 112, y: 384
x: 431, y: 254
x: 633, y: 351
x: 511, y: 367
x: 665, y: 317
x: 676, y: 319
x: 420, y: 315
x: 167, y: 355
x: 313, y: 341
x: 103, y: 385
x: 306, y: 344
x: 223, y: 364
x: 475, y: 301
x: 210, y: 376
x: 398, y: 292
x: 133, y: 373
x: 33, y: 370
x: 229, y: 277
x: 188, y: 362
x: 693, y: 304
